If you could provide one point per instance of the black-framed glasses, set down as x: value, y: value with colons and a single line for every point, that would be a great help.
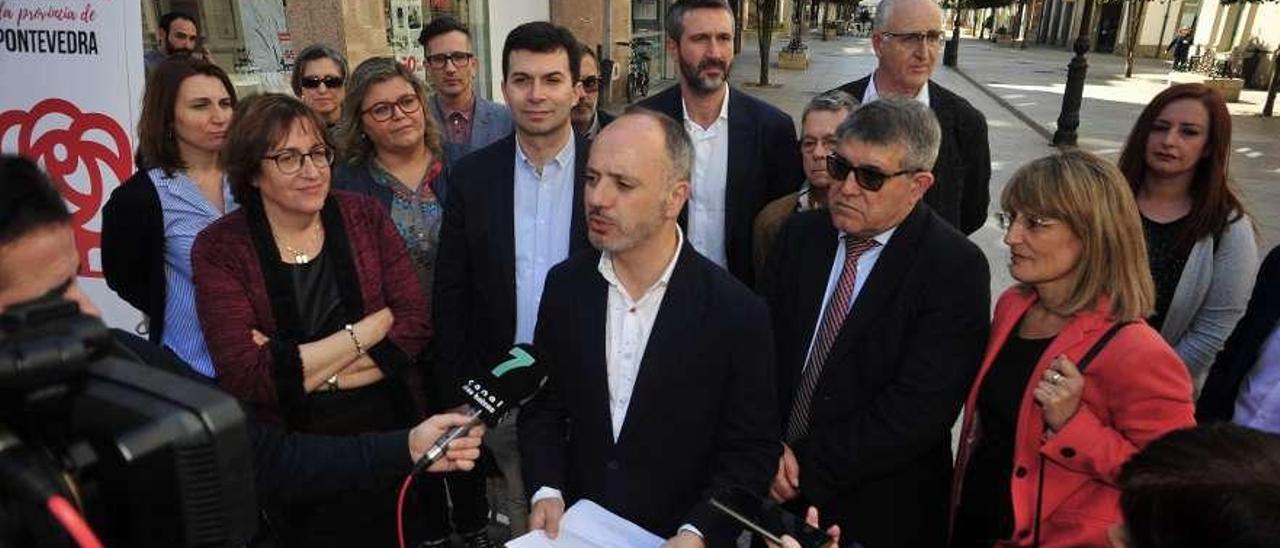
x: 331, y: 82
x: 867, y: 177
x: 928, y: 37
x: 383, y: 111
x: 459, y: 58
x: 591, y: 84
x: 289, y: 161
x: 1029, y: 221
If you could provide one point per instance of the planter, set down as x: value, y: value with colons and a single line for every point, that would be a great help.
x: 1228, y: 87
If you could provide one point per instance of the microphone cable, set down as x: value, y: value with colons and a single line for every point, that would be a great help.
x: 73, y: 522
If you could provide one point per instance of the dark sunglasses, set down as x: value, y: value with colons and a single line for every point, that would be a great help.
x: 331, y: 82
x: 591, y: 84
x: 438, y: 60
x: 867, y: 177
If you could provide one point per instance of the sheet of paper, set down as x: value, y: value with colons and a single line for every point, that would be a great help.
x: 588, y: 525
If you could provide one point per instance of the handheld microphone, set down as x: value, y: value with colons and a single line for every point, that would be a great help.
x: 508, y: 385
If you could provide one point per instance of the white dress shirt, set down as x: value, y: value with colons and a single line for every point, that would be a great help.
x: 871, y: 94
x: 710, y: 170
x: 543, y: 218
x: 866, y: 262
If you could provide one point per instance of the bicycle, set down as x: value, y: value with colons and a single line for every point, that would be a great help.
x: 637, y: 68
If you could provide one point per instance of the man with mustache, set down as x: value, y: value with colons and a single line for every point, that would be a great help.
x: 879, y: 311
x: 660, y: 391
x: 177, y: 33
x: 587, y: 118
x: 745, y: 149
x: 907, y: 35
x: 466, y: 120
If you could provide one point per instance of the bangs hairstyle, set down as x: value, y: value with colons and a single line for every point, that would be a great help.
x: 1091, y: 197
x: 1215, y: 202
x: 354, y: 145
x: 261, y: 122
x: 156, y: 141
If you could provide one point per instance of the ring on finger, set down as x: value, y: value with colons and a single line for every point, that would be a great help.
x: 1055, y: 378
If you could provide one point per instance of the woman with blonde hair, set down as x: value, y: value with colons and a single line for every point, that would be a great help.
x: 1043, y: 435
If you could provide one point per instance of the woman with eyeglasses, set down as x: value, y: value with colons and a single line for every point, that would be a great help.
x: 311, y: 308
x: 393, y: 150
x: 1046, y: 426
x: 1200, y: 242
x: 318, y: 77
x: 151, y: 221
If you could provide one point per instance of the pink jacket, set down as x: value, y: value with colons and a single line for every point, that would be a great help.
x: 1136, y: 389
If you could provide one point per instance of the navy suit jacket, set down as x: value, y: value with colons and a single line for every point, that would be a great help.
x: 877, y: 456
x: 490, y: 122
x: 701, y: 416
x: 764, y: 164
x: 475, y: 284
x: 1240, y: 352
x: 962, y: 173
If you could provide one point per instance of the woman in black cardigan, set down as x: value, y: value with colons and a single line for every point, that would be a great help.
x: 151, y: 221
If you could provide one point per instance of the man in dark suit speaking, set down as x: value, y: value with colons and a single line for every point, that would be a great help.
x: 745, y: 150
x: 880, y: 314
x: 907, y: 36
x: 661, y: 389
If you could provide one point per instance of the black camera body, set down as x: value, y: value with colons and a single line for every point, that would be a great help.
x: 149, y: 457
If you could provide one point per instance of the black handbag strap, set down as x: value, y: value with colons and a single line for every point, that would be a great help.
x: 1081, y: 366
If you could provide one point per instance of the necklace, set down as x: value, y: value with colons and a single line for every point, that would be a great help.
x: 300, y: 255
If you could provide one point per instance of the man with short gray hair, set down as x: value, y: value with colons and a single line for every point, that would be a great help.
x: 907, y: 36
x: 879, y: 312
x: 818, y: 126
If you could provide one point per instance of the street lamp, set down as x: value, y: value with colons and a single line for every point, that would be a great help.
x: 1069, y: 118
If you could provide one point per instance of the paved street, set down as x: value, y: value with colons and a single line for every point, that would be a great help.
x: 1020, y: 91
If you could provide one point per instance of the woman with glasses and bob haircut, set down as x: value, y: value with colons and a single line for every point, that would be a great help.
x: 310, y: 306
x: 152, y: 219
x: 318, y: 77
x: 1042, y: 442
x: 1200, y: 242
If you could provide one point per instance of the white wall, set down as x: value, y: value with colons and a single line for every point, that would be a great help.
x: 505, y: 15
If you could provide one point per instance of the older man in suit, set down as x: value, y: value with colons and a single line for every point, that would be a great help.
x: 588, y: 119
x: 661, y: 390
x: 467, y: 120
x: 745, y: 150
x: 880, y: 315
x: 906, y: 36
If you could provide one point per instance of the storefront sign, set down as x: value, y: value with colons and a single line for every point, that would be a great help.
x: 70, y: 100
x: 406, y: 24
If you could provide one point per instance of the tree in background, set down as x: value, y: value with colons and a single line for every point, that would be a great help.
x: 766, y: 13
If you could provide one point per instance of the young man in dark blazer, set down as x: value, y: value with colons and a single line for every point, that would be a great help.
x: 660, y: 392
x: 1245, y: 379
x: 907, y: 37
x: 745, y: 149
x: 513, y: 211
x: 880, y: 311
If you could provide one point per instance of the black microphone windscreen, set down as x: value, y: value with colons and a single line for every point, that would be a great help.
x: 511, y: 382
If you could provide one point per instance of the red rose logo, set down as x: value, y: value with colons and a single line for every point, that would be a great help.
x: 86, y: 147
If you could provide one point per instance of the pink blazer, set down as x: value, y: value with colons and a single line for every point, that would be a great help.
x: 1136, y: 389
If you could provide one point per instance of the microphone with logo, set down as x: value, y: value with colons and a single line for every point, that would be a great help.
x: 489, y: 397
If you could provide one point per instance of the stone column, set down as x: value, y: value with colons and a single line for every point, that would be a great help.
x: 358, y: 28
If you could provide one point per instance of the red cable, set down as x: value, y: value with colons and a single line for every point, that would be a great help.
x: 70, y: 519
x: 404, y: 488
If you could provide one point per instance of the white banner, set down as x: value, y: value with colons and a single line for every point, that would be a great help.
x: 70, y: 100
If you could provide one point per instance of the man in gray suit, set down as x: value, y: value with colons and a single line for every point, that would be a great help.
x: 466, y: 120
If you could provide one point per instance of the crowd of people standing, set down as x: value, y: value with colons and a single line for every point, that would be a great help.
x: 722, y: 304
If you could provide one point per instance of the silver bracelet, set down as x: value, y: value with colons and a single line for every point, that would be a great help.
x: 351, y: 330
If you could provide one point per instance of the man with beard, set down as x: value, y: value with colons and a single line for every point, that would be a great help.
x: 587, y: 118
x: 177, y: 33
x: 907, y: 36
x: 466, y: 120
x: 660, y: 391
x: 512, y: 212
x: 745, y: 149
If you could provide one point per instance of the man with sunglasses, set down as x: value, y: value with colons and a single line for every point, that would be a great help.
x: 466, y: 120
x: 586, y: 116
x: 907, y: 37
x: 879, y: 312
